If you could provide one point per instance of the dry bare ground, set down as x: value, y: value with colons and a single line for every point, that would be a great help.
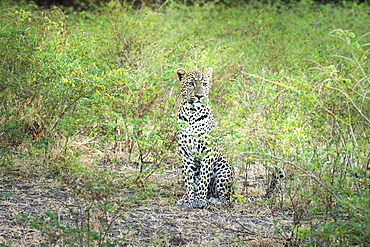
x: 36, y: 210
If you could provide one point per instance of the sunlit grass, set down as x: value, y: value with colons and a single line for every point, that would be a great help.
x: 287, y: 91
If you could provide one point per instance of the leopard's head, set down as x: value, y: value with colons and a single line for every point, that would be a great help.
x: 194, y: 85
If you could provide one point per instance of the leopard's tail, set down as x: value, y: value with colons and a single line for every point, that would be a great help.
x: 275, y: 175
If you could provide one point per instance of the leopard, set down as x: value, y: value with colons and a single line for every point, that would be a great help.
x: 207, y: 172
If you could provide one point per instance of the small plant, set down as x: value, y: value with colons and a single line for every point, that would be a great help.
x: 83, y: 232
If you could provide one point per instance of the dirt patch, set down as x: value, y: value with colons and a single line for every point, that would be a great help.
x: 35, y: 211
x: 28, y: 197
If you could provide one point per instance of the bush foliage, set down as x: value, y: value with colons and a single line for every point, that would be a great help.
x: 291, y: 87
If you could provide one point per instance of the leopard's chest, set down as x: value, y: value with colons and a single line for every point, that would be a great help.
x: 195, y: 124
x: 195, y: 119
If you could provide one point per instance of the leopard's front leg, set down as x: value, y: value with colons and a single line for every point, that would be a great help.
x: 190, y: 172
x: 204, y: 181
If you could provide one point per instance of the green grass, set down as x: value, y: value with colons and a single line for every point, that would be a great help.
x: 290, y: 88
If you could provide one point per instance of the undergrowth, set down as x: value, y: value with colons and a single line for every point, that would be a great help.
x: 291, y: 88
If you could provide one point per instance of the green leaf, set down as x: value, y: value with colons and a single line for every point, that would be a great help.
x: 355, y: 45
x: 351, y: 35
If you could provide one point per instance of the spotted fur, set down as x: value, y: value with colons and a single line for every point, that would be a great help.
x: 208, y: 174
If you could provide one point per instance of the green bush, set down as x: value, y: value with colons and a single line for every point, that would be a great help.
x: 290, y: 89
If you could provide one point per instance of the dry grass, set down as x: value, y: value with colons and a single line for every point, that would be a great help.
x: 154, y: 223
x: 149, y: 221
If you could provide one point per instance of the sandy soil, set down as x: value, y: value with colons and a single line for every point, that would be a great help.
x: 35, y: 211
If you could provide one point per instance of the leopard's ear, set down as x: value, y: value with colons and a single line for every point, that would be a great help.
x: 208, y: 72
x: 181, y: 73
